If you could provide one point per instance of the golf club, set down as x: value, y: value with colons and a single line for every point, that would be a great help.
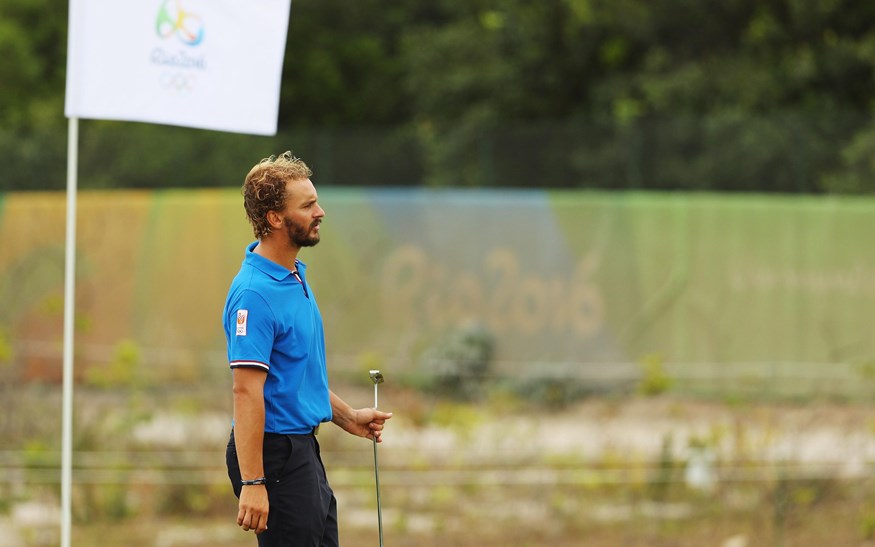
x: 377, y: 378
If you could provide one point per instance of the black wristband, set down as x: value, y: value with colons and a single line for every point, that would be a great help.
x: 253, y: 482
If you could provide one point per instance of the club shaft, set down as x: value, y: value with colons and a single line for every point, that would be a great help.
x: 377, y: 478
x: 379, y: 505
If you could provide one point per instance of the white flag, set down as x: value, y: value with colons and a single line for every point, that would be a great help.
x: 211, y: 64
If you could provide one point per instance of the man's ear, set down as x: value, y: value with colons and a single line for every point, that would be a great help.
x: 274, y: 219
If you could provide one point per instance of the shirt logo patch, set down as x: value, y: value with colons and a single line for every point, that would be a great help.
x: 242, y: 317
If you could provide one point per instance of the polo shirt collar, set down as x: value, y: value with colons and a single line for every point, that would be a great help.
x: 269, y: 267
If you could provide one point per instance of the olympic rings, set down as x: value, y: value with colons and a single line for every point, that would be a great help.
x: 178, y: 82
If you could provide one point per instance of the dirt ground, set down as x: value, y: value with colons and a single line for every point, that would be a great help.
x: 624, y: 471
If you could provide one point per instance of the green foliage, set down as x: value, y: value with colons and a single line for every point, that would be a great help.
x: 36, y: 457
x: 867, y: 524
x: 103, y: 503
x: 551, y: 390
x: 189, y: 499
x: 5, y: 349
x: 654, y: 380
x: 663, y: 476
x: 866, y: 371
x: 121, y: 371
x: 33, y: 38
x: 856, y: 171
x: 457, y: 364
x: 460, y: 418
x: 736, y: 95
x: 366, y: 362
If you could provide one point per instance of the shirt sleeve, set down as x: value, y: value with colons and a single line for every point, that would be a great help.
x: 252, y: 332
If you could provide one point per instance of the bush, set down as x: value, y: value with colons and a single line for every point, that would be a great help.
x: 457, y: 364
x: 654, y: 380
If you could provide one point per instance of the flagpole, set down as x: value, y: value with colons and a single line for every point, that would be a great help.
x: 69, y: 301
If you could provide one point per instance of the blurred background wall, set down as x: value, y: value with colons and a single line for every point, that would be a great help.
x: 564, y: 284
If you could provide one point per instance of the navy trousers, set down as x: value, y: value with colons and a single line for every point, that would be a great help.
x: 303, y: 510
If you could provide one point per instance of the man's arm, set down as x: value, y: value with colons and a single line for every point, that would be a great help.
x: 248, y: 439
x: 364, y: 422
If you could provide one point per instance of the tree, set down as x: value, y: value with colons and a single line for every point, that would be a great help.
x: 753, y: 95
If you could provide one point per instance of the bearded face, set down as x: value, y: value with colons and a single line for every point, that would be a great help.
x: 302, y: 234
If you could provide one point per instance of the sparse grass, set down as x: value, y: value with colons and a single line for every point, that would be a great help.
x: 578, y: 520
x: 615, y: 497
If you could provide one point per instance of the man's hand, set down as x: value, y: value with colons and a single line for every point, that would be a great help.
x: 367, y: 422
x: 364, y: 422
x: 253, y: 508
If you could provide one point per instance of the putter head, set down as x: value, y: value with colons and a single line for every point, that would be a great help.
x: 376, y: 376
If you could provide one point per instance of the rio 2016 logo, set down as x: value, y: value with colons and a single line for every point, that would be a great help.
x: 173, y: 19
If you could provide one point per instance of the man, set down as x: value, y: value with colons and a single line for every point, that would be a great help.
x: 276, y: 350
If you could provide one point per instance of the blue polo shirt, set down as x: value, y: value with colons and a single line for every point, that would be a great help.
x: 272, y: 323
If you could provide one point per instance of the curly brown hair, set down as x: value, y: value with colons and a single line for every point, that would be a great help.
x: 264, y: 188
